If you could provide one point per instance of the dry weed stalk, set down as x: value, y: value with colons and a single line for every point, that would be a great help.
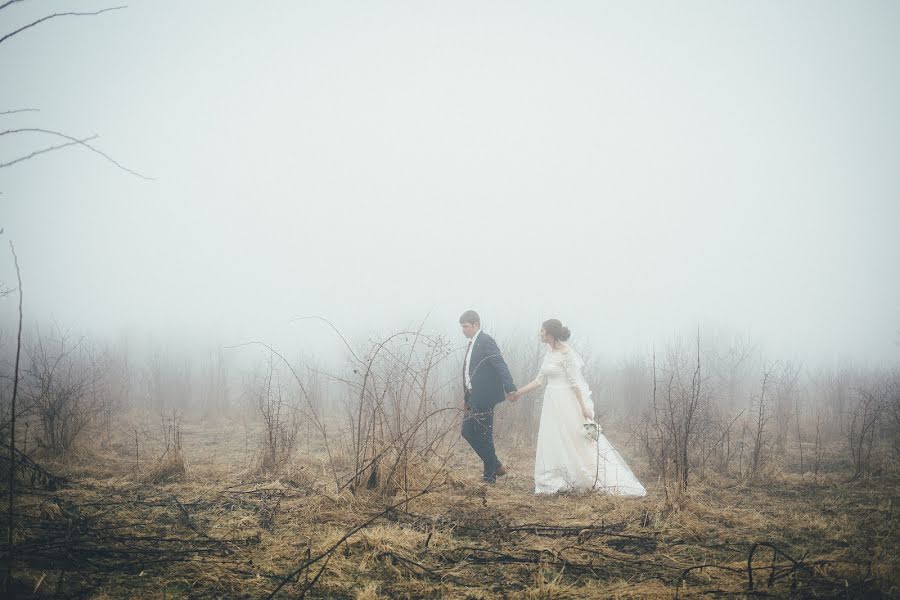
x: 279, y: 408
x: 170, y: 465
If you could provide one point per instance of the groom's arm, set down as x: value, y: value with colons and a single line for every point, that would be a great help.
x: 495, y: 360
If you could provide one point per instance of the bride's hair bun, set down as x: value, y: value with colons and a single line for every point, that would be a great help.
x: 554, y: 327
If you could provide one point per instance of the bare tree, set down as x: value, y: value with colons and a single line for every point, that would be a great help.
x: 798, y: 421
x: 214, y: 387
x: 678, y: 420
x: 893, y: 414
x: 872, y: 402
x: 654, y: 437
x: 116, y: 388
x: 58, y: 386
x: 785, y: 398
x: 732, y: 362
x: 12, y: 433
x: 760, y: 435
x: 817, y: 445
x: 720, y: 439
x: 834, y: 387
x: 396, y: 422
x: 632, y: 383
x: 683, y: 413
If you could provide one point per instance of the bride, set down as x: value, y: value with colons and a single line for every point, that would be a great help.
x: 568, y: 457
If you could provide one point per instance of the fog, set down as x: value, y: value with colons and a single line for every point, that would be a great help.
x: 638, y: 170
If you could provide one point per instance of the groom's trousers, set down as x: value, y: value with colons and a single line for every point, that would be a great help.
x: 478, y: 430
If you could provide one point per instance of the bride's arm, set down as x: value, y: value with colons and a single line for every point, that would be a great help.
x: 528, y: 388
x: 584, y: 409
x: 538, y: 382
x: 573, y: 381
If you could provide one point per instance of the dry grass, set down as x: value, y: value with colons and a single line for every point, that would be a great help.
x: 219, y: 531
x: 170, y: 467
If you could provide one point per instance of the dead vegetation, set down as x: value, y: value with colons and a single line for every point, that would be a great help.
x: 211, y: 536
x: 370, y: 495
x: 170, y: 464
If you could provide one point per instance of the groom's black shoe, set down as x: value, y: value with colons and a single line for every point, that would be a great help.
x: 492, y: 478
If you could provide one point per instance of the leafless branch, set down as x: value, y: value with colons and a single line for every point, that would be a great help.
x: 336, y: 330
x: 19, y: 110
x: 722, y: 437
x: 73, y: 141
x: 53, y: 16
x: 5, y: 4
x: 45, y: 150
x: 327, y: 553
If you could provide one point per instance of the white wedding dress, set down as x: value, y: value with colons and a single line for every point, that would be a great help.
x: 567, y: 459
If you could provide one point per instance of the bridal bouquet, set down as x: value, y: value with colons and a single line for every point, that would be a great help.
x: 591, y: 431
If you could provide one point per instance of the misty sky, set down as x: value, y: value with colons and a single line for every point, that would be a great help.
x: 636, y: 169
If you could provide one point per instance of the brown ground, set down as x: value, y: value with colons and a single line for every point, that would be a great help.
x: 220, y: 532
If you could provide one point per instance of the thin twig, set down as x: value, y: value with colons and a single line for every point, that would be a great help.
x: 327, y: 553
x: 48, y: 149
x: 18, y: 110
x: 53, y: 16
x: 74, y: 141
x: 2, y: 6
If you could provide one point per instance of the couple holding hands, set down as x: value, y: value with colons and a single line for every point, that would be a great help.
x: 572, y: 454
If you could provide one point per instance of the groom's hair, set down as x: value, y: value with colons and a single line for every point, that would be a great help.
x: 470, y: 316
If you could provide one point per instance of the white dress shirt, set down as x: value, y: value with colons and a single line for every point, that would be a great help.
x: 469, y: 359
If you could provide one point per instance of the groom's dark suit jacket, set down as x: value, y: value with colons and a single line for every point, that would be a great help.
x: 491, y: 380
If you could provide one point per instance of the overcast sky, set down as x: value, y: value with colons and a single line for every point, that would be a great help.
x: 636, y: 169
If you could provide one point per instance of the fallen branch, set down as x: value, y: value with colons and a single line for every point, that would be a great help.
x: 327, y: 553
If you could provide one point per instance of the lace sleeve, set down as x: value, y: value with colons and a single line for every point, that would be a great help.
x: 541, y: 378
x: 570, y: 368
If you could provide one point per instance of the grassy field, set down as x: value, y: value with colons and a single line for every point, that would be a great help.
x: 117, y: 528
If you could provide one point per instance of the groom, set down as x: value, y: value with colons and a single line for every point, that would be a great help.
x: 486, y: 383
